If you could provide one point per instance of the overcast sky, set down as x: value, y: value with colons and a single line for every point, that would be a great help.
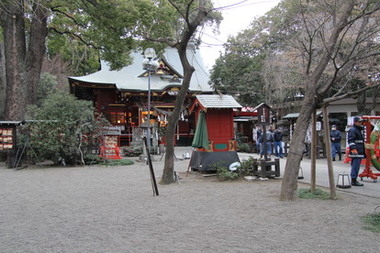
x: 237, y: 15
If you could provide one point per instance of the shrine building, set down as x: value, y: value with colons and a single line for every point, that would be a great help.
x: 121, y: 96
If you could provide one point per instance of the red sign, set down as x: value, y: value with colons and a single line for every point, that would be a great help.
x: 6, y: 139
x: 110, y: 149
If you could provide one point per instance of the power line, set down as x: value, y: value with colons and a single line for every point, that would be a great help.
x: 205, y: 44
x: 230, y: 6
x: 240, y: 4
x: 212, y: 37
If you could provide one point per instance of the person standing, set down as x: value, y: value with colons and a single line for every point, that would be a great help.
x: 271, y: 130
x: 335, y: 137
x: 277, y: 137
x: 357, y: 152
x: 266, y: 147
x: 257, y: 132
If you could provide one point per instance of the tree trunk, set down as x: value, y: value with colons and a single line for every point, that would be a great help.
x: 36, y: 50
x: 361, y: 103
x: 22, y: 64
x: 289, y: 182
x: 167, y: 175
x: 14, y: 45
x: 188, y: 69
x: 293, y: 161
x: 2, y: 81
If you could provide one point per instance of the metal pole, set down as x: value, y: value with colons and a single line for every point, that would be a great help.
x: 148, y: 133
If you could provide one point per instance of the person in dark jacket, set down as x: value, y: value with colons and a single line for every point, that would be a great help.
x: 267, y: 148
x: 257, y: 137
x: 357, y: 152
x: 335, y: 137
x: 277, y: 144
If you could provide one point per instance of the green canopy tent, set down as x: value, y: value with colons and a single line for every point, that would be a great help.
x: 201, y: 135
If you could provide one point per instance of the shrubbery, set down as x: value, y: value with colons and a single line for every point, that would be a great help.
x: 133, y: 151
x: 245, y: 169
x: 63, y: 127
x: 223, y: 172
x: 243, y: 147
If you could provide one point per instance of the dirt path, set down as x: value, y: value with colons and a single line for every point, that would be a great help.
x: 112, y: 209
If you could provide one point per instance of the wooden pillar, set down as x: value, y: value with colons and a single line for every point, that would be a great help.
x: 313, y: 151
x: 328, y: 151
x: 263, y: 168
x: 277, y: 167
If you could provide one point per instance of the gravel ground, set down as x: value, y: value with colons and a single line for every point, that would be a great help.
x: 112, y: 209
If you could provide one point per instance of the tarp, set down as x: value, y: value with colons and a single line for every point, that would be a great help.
x: 201, y: 135
x: 205, y: 161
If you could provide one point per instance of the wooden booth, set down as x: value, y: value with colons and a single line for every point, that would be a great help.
x: 214, y: 135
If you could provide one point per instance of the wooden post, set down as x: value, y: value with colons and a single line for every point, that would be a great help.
x: 277, y: 167
x: 263, y: 168
x: 263, y: 114
x: 328, y: 151
x: 255, y: 165
x: 152, y: 176
x: 264, y: 141
x: 313, y: 151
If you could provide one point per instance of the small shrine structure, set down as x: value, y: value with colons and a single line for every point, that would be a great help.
x: 214, y: 139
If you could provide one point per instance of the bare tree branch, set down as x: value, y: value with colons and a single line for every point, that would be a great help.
x: 168, y: 41
x: 177, y: 9
x: 55, y: 9
x: 327, y: 101
x: 76, y: 36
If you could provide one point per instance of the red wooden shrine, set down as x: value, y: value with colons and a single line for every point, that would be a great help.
x: 219, y: 119
x: 219, y: 111
x: 372, y: 151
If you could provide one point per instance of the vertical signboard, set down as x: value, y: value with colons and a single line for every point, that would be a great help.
x: 263, y: 113
x: 110, y: 148
x: 7, y: 138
